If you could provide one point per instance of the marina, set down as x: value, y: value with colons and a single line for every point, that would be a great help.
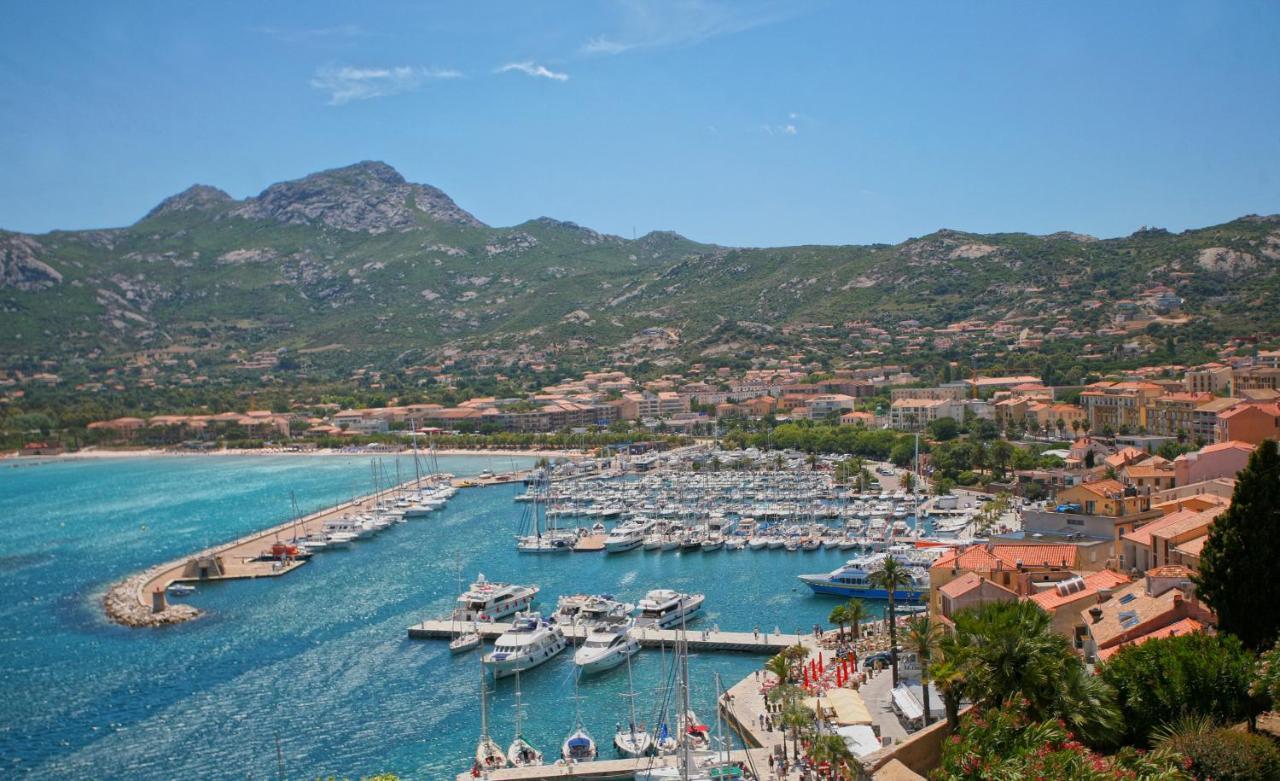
x: 649, y: 637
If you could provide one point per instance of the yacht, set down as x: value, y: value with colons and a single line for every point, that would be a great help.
x: 521, y: 753
x: 603, y: 610
x: 528, y: 643
x: 626, y: 536
x: 180, y: 589
x: 489, y: 754
x: 854, y: 578
x: 665, y: 608
x: 606, y: 647
x: 486, y: 601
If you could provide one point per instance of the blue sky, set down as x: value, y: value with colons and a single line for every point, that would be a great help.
x: 737, y: 122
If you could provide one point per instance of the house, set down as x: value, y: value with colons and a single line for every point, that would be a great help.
x: 970, y: 590
x: 1110, y: 498
x: 123, y: 428
x: 1212, y: 378
x: 1150, y: 476
x: 1151, y: 544
x: 1250, y: 422
x: 42, y: 449
x: 858, y: 419
x: 1066, y: 598
x: 1224, y: 459
x: 1161, y: 604
x: 1013, y: 566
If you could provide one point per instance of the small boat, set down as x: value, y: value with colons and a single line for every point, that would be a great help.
x: 579, y: 746
x: 489, y: 754
x: 180, y: 589
x: 464, y: 642
x: 811, y: 544
x: 735, y: 543
x: 521, y: 753
x: 632, y: 741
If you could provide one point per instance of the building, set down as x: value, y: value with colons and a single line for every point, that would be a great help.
x: 1161, y: 604
x: 1211, y: 378
x: 1065, y: 600
x: 1119, y: 406
x: 1015, y: 567
x: 830, y: 404
x: 1250, y: 422
x: 1171, y: 415
x: 1153, y: 544
x: 1224, y: 459
x: 912, y: 414
x: 970, y: 590
x: 953, y: 392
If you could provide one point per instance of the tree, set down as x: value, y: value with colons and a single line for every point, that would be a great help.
x: 796, y: 717
x: 923, y: 636
x: 855, y: 613
x: 1221, y: 753
x: 1166, y: 679
x: 1237, y: 567
x: 944, y: 429
x: 832, y: 750
x: 839, y: 617
x: 891, y: 577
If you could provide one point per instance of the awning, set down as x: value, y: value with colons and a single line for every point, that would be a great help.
x: 860, y: 738
x: 841, y: 706
x: 906, y: 702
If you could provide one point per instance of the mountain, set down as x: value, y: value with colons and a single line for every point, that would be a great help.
x: 357, y: 267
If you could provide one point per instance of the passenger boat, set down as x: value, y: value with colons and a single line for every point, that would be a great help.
x: 665, y: 608
x: 529, y: 642
x: 487, y: 601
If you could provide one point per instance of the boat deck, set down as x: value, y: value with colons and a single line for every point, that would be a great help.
x: 607, y: 768
x: 590, y: 542
x: 649, y: 637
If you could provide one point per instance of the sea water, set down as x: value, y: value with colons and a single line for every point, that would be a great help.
x: 313, y: 671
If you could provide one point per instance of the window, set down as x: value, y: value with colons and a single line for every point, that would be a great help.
x: 1127, y: 598
x: 1128, y: 619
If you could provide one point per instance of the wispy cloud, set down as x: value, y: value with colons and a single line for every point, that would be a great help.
x: 302, y: 35
x: 535, y: 70
x: 347, y: 83
x: 648, y: 24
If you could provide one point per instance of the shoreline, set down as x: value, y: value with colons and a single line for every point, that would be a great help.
x: 95, y: 453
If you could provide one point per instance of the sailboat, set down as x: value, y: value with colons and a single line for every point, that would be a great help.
x: 579, y: 746
x: 632, y: 741
x: 550, y: 540
x: 520, y: 753
x: 489, y: 754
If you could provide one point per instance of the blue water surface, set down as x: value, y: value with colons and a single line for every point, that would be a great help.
x: 318, y: 661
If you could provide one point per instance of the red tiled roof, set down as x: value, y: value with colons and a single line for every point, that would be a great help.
x: 1051, y: 600
x: 983, y: 558
x: 1186, y: 626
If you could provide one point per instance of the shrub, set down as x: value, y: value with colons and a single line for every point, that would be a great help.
x: 1229, y: 755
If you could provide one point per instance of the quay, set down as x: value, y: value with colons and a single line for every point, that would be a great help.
x: 649, y: 637
x: 605, y: 769
x: 140, y: 599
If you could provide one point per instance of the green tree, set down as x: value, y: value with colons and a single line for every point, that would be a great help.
x: 1237, y: 568
x: 892, y: 577
x: 833, y: 751
x: 923, y: 637
x: 1170, y: 678
x: 855, y: 613
x: 839, y: 617
x: 944, y: 429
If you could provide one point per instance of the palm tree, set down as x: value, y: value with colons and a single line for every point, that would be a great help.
x: 948, y: 675
x: 891, y: 576
x: 796, y: 717
x: 924, y: 636
x: 834, y: 751
x: 839, y: 617
x: 855, y: 612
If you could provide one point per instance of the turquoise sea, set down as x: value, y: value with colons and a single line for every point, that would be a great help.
x: 318, y: 661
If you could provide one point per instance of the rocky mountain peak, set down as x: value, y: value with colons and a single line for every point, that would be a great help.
x: 197, y: 197
x: 368, y: 197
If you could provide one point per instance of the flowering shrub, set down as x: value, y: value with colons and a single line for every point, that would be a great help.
x: 1228, y: 755
x: 1003, y: 744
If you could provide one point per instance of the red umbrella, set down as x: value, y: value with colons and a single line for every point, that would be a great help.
x: 819, y: 661
x: 806, y: 679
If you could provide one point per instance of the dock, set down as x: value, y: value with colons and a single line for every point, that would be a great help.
x: 606, y: 769
x: 649, y: 637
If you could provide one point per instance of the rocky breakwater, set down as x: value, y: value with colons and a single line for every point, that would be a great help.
x: 126, y: 604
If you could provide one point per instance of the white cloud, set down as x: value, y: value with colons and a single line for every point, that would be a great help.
x: 650, y: 24
x: 535, y: 70
x: 346, y: 83
x: 790, y: 130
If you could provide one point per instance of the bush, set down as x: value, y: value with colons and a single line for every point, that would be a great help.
x: 967, y: 478
x: 1228, y: 755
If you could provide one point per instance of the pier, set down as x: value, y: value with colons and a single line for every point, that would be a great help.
x: 606, y: 769
x: 649, y: 637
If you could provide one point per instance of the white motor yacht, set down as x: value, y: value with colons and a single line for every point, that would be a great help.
x: 486, y: 601
x: 606, y: 647
x: 528, y: 643
x: 665, y: 608
x: 626, y: 536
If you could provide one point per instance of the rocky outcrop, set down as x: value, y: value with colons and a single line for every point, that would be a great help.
x: 19, y: 266
x: 367, y: 197
x: 197, y: 197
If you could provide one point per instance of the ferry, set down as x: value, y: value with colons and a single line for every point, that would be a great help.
x: 486, y: 601
x: 528, y: 643
x: 665, y: 608
x: 853, y: 579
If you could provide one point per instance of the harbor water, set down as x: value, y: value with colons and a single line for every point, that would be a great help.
x: 313, y: 670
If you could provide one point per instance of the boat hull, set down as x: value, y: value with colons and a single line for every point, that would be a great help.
x: 844, y: 590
